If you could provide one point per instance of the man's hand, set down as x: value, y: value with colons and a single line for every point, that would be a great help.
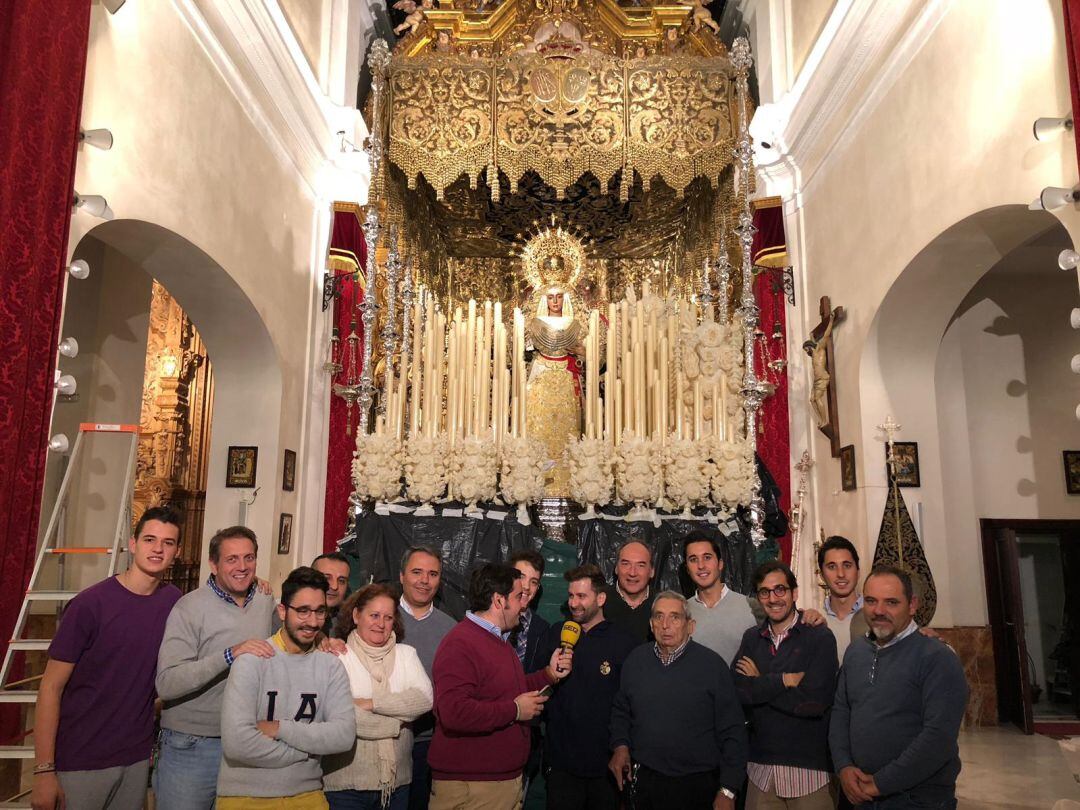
x: 529, y: 705
x: 269, y: 728
x: 263, y: 587
x: 722, y: 802
x: 792, y: 679
x: 332, y: 645
x: 852, y: 781
x: 812, y: 617
x: 254, y: 646
x: 619, y: 764
x: 47, y: 793
x: 869, y: 786
x: 746, y: 666
x: 560, y: 665
x: 367, y: 704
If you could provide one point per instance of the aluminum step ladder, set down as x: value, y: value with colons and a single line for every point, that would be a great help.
x: 51, y: 548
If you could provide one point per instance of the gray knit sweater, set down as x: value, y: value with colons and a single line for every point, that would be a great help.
x: 309, y: 695
x: 191, y: 662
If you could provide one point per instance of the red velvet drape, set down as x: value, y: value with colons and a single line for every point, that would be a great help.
x: 347, y: 243
x: 774, y: 440
x: 1072, y: 38
x: 42, y: 64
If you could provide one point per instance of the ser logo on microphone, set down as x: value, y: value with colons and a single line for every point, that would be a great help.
x: 568, y: 637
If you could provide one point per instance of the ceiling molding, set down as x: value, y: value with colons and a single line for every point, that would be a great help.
x: 251, y: 45
x: 860, y: 53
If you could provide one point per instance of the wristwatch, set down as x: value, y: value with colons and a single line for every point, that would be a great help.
x: 729, y: 793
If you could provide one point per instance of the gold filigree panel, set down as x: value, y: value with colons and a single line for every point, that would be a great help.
x: 667, y: 117
x: 441, y: 121
x: 679, y: 119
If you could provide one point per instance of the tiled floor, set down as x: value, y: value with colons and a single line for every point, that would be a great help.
x: 1006, y: 770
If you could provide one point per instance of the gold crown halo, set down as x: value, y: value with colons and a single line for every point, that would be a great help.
x: 553, y: 258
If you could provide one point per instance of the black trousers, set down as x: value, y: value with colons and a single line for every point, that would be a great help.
x: 655, y: 791
x: 568, y: 792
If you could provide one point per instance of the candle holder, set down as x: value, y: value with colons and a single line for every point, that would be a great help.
x: 522, y: 465
x: 639, y: 468
x: 686, y: 473
x: 377, y: 466
x: 426, y: 470
x: 474, y: 470
x: 592, y: 479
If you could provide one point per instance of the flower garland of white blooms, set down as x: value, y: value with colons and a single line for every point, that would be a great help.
x: 667, y: 434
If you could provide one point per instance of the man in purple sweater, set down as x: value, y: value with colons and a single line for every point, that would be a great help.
x: 484, y: 700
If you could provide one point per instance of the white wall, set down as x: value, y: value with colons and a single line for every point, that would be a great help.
x: 925, y: 160
x: 221, y: 178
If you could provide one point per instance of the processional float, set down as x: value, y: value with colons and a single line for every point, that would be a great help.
x: 573, y: 315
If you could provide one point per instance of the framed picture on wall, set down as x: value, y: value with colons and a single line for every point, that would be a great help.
x: 848, y: 479
x: 907, y: 463
x: 1072, y: 471
x: 288, y: 471
x: 284, y: 542
x: 243, y: 462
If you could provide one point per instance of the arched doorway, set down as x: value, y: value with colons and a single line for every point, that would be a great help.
x: 970, y: 351
x: 127, y: 257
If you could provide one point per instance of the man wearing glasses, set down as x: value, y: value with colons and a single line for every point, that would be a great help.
x: 678, y: 718
x: 899, y: 703
x: 208, y: 630
x: 280, y: 714
x: 785, y: 674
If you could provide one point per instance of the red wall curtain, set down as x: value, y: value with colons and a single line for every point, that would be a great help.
x: 774, y: 440
x: 1072, y: 38
x: 347, y: 252
x: 42, y: 65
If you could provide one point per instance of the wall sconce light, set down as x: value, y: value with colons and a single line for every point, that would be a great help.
x: 98, y: 138
x: 69, y: 347
x: 1068, y: 259
x: 93, y: 204
x: 113, y: 6
x: 1054, y: 197
x: 79, y: 269
x: 1046, y: 128
x: 66, y: 385
x: 1075, y: 363
x: 1074, y: 318
x: 169, y: 365
x: 59, y: 443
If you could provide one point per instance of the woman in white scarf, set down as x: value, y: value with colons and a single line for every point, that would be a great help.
x: 390, y: 690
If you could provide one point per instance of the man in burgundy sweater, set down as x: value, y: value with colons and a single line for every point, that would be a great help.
x: 484, y: 700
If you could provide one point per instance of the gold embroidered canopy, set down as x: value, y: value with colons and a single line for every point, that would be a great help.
x: 589, y: 87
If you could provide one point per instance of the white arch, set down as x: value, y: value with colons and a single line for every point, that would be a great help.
x: 897, y: 376
x: 247, y: 370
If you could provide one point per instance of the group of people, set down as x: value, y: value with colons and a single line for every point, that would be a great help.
x: 378, y: 699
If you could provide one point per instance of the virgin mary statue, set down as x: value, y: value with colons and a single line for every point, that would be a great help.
x: 553, y: 389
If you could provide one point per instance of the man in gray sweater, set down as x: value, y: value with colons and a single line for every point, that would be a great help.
x: 209, y: 629
x: 425, y: 628
x: 281, y: 714
x: 899, y: 703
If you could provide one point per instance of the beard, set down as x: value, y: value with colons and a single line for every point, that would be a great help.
x: 882, y: 633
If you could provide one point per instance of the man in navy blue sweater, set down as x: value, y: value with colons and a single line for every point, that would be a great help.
x: 899, y: 703
x: 678, y: 716
x: 785, y: 674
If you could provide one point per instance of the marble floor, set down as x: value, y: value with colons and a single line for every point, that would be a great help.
x: 1007, y: 770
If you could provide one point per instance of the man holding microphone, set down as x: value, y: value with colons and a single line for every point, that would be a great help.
x: 577, y: 749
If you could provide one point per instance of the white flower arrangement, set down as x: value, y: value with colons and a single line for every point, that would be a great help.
x: 686, y: 472
x: 376, y: 467
x: 523, y: 465
x: 591, y: 473
x: 474, y: 470
x: 426, y: 469
x: 732, y: 472
x: 640, y: 472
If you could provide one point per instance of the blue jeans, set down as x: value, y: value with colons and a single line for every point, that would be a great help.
x: 366, y: 799
x: 187, y: 770
x: 421, y: 776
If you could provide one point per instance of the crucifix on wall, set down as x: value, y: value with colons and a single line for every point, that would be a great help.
x: 819, y: 346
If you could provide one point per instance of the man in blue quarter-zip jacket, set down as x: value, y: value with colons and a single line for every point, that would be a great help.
x: 899, y: 703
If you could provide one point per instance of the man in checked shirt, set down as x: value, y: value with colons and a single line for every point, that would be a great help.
x: 785, y: 674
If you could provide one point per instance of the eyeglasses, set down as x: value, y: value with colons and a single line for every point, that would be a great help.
x: 779, y: 591
x: 305, y: 612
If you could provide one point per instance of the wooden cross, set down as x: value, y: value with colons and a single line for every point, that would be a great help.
x: 823, y: 384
